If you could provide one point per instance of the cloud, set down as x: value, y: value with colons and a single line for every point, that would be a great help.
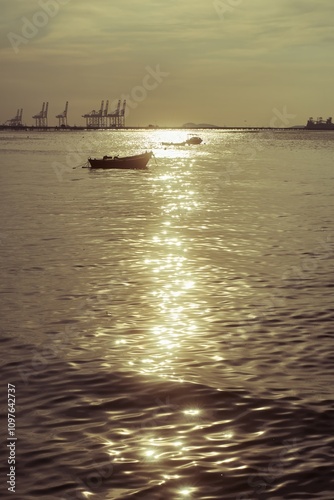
x: 100, y: 49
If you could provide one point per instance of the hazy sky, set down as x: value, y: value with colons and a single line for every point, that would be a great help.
x: 225, y: 62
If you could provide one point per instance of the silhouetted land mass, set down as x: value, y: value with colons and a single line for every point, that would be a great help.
x: 199, y: 125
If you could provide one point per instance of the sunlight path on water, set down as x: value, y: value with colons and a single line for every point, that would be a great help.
x: 176, y: 310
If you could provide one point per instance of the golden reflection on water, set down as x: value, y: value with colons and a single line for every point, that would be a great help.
x: 171, y: 335
x: 173, y: 324
x: 88, y: 494
x: 175, y: 298
x: 186, y: 492
x: 172, y: 280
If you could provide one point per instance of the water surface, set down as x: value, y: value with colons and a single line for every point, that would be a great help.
x: 169, y: 331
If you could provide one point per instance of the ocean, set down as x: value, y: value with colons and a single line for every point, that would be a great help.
x: 167, y: 334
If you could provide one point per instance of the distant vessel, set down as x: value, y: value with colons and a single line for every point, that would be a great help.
x: 194, y: 140
x: 320, y: 124
x: 191, y: 140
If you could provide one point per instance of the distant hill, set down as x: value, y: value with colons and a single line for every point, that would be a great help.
x: 208, y: 125
x: 198, y: 125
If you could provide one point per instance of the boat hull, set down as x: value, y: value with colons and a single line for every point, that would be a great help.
x: 138, y: 162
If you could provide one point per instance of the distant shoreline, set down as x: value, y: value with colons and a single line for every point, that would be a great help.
x: 94, y: 129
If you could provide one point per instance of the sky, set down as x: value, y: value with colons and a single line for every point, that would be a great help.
x: 222, y: 62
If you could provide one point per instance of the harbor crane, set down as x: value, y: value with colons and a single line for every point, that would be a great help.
x: 113, y: 117
x: 103, y: 119
x: 42, y: 117
x: 121, y: 122
x: 94, y: 119
x: 63, y: 117
x: 117, y: 118
x: 17, y: 120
